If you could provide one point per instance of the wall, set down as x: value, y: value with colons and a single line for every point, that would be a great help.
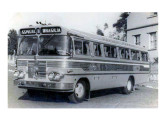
x: 143, y: 19
x: 137, y: 19
x: 144, y: 38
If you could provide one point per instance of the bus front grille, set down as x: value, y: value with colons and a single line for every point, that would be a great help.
x: 21, y: 63
x: 37, y: 69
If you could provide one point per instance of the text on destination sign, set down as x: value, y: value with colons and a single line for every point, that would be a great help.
x: 50, y: 30
x: 30, y: 31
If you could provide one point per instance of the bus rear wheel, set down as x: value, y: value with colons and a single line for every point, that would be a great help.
x: 129, y: 87
x: 79, y: 93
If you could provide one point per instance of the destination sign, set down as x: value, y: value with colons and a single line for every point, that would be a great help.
x: 50, y: 30
x: 28, y: 31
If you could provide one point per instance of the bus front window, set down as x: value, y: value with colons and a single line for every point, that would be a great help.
x: 54, y: 45
x: 28, y: 45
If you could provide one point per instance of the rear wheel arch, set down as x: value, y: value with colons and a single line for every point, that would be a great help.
x: 86, y: 80
x: 129, y: 86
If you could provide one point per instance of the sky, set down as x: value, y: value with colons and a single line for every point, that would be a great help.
x: 86, y: 22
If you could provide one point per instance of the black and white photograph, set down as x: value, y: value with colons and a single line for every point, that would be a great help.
x: 83, y: 60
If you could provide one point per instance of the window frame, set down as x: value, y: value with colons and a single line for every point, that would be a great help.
x: 75, y: 47
x: 82, y: 41
x: 155, y: 41
x: 152, y: 14
x: 125, y: 53
x: 83, y: 47
x: 135, y: 39
x: 101, y: 55
x: 142, y: 56
x: 106, y: 45
x: 137, y: 55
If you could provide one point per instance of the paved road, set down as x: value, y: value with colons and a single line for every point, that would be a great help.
x: 142, y: 97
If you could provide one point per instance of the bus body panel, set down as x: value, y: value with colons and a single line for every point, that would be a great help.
x: 75, y: 70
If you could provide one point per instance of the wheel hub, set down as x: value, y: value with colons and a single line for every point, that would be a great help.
x: 79, y: 90
x: 129, y: 85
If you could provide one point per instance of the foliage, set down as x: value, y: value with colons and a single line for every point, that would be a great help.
x: 121, y: 24
x: 12, y: 41
x: 105, y: 26
x: 100, y: 32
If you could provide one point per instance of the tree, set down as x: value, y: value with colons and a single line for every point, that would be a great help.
x: 100, y: 32
x: 121, y: 24
x: 12, y: 41
x: 105, y: 26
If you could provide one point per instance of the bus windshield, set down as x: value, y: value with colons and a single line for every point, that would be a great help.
x: 28, y: 45
x: 54, y: 45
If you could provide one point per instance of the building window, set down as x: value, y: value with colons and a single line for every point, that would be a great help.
x: 153, y: 40
x: 153, y: 14
x: 137, y: 39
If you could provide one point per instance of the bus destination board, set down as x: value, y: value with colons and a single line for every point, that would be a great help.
x: 28, y: 31
x: 50, y: 30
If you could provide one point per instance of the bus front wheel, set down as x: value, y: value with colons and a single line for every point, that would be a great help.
x: 129, y: 87
x: 79, y: 93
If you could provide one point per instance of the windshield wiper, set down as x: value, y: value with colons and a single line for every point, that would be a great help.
x: 43, y: 45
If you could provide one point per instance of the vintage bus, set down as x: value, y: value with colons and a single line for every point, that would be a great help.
x: 58, y: 59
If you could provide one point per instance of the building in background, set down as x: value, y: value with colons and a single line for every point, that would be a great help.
x: 142, y: 30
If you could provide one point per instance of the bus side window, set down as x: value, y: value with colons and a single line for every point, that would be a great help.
x: 97, y: 49
x: 107, y: 51
x: 124, y: 53
x: 86, y: 48
x: 114, y: 52
x: 127, y: 54
x: 110, y: 51
x: 135, y: 55
x: 78, y: 47
x: 144, y: 56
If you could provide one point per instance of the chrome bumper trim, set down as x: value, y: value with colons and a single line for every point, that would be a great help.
x: 44, y: 85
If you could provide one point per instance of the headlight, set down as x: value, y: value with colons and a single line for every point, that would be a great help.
x: 51, y: 76
x: 55, y: 76
x: 16, y: 73
x: 19, y: 74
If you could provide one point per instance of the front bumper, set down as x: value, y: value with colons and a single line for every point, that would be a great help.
x: 48, y: 86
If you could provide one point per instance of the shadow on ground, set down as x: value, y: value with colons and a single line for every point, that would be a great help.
x: 46, y: 96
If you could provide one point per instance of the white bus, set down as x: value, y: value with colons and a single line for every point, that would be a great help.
x: 57, y: 59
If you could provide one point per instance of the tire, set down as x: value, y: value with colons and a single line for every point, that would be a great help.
x: 31, y: 93
x: 79, y: 93
x: 128, y: 88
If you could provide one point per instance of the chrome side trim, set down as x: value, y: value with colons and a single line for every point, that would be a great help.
x: 87, y: 61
